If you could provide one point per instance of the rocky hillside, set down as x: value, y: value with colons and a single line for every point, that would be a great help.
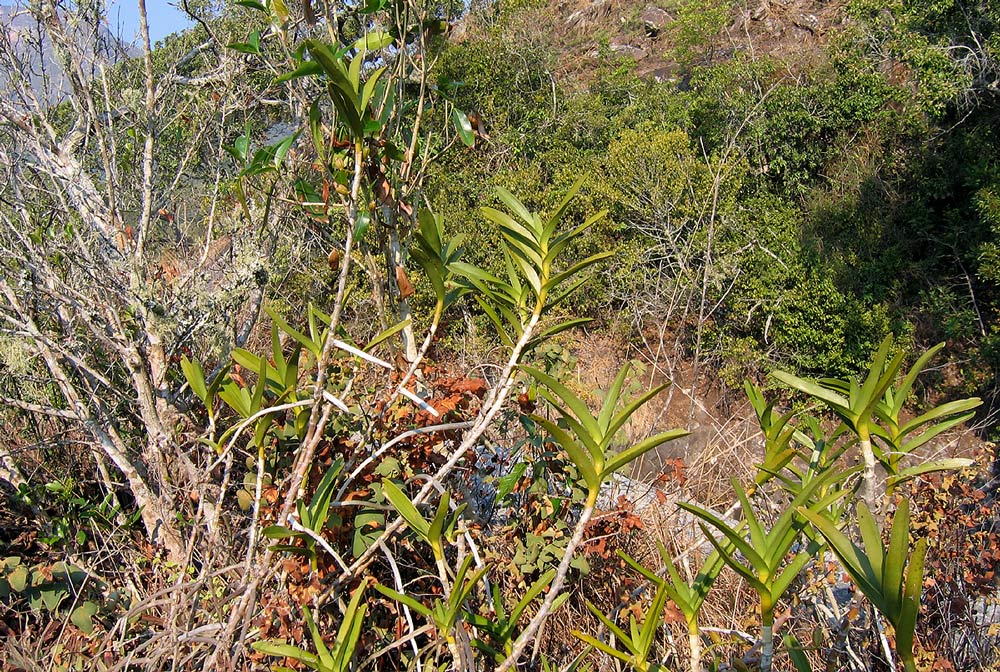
x: 661, y: 36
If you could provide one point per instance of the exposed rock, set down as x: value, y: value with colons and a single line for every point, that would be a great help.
x: 654, y: 19
x: 628, y: 50
x: 597, y: 10
x: 807, y: 22
x: 800, y: 34
x: 774, y: 27
x: 662, y: 75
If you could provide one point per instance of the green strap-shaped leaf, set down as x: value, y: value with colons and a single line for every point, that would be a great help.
x: 430, y: 229
x: 942, y: 411
x: 405, y: 507
x: 576, y: 268
x: 279, y: 532
x: 947, y: 464
x: 527, y: 269
x: 387, y: 334
x: 501, y: 326
x: 257, y: 401
x: 563, y: 239
x: 757, y: 536
x: 652, y: 620
x: 581, y: 457
x: 601, y: 646
x: 573, y: 402
x: 610, y: 625
x: 354, y: 77
x: 512, y: 202
x: 350, y: 629
x: 895, y: 557
x: 280, y: 648
x: 436, y: 528
x: 901, y: 394
x: 309, y: 344
x: 323, y: 653
x: 906, y: 624
x: 549, y: 332
x: 791, y: 571
x: 639, y: 449
x: 834, y: 400
x: 304, y: 69
x: 734, y: 537
x: 316, y: 130
x: 611, y: 400
x: 536, y: 589
x: 319, y: 507
x: 560, y: 210
x: 879, y: 376
x: 413, y: 604
x: 251, y: 46
x: 749, y: 574
x: 512, y: 320
x: 511, y: 227
x: 237, y: 398
x: 795, y: 652
x: 475, y: 273
x: 854, y: 559
x: 618, y: 421
x: 938, y: 429
x: 464, y: 585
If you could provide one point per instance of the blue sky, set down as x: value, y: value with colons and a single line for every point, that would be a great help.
x: 164, y: 18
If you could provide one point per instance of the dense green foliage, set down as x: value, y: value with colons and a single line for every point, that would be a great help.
x: 856, y: 191
x: 306, y: 345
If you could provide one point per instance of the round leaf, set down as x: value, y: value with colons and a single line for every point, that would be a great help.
x: 83, y: 616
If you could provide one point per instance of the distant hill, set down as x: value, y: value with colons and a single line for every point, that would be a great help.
x: 25, y: 36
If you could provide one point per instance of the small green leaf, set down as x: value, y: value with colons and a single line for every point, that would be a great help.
x: 304, y: 69
x: 507, y: 483
x: 195, y: 377
x: 368, y: 526
x: 18, y: 579
x: 279, y: 532
x: 252, y: 4
x: 52, y: 598
x: 377, y: 39
x: 361, y: 224
x: 83, y: 616
x: 387, y: 334
x: 251, y: 46
x: 463, y: 126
